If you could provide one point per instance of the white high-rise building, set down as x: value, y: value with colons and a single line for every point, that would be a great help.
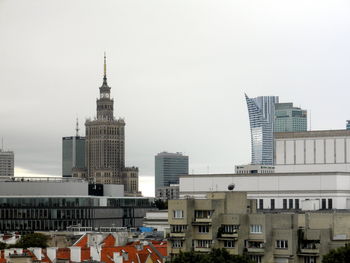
x: 261, y: 116
x: 7, y: 163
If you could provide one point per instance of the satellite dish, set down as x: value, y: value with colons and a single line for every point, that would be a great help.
x: 231, y: 187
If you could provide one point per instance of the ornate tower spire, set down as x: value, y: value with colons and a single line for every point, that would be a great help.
x: 105, y: 70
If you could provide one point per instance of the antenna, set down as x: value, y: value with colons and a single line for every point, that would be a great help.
x: 77, y: 128
x: 2, y: 143
x: 310, y: 121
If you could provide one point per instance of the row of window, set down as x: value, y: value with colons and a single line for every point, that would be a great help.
x: 295, y: 203
x: 201, y: 214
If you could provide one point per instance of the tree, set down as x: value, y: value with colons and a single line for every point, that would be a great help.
x: 160, y: 204
x: 215, y: 256
x: 3, y: 245
x: 32, y: 240
x: 339, y: 255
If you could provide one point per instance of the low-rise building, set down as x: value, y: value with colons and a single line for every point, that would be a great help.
x: 330, y: 190
x: 50, y: 204
x: 230, y: 221
x: 168, y: 192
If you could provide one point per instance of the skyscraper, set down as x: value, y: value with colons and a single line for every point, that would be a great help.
x: 7, y: 163
x: 73, y: 153
x: 261, y: 112
x: 105, y: 144
x: 289, y: 118
x: 168, y: 167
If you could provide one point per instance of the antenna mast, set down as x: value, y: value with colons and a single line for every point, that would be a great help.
x: 77, y: 128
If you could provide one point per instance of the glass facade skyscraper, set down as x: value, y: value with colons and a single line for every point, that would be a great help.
x: 168, y: 167
x: 261, y: 112
x: 73, y: 154
x: 289, y: 118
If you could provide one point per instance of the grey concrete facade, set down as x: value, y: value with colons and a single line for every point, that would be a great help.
x: 229, y: 220
x: 7, y: 163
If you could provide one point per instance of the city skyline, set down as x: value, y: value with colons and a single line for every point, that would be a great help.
x: 179, y: 83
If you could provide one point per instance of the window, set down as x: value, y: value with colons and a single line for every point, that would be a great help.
x: 203, y: 214
x: 323, y: 204
x: 272, y: 203
x: 309, y: 259
x: 297, y: 204
x: 261, y: 203
x: 203, y: 229
x: 229, y: 229
x: 284, y: 203
x: 281, y: 243
x: 178, y: 228
x: 255, y: 228
x: 290, y: 203
x: 203, y: 243
x: 178, y: 243
x: 255, y: 258
x: 229, y: 243
x: 178, y: 213
x: 330, y: 203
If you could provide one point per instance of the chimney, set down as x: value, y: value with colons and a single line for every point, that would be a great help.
x: 94, y: 253
x: 37, y: 251
x: 75, y: 254
x: 117, y: 258
x: 51, y: 253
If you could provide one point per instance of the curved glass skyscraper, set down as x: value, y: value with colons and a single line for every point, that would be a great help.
x: 261, y: 116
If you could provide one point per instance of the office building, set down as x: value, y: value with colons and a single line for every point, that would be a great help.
x: 261, y: 112
x: 302, y: 191
x: 254, y: 169
x: 7, y: 163
x: 289, y: 118
x: 105, y: 143
x: 168, y: 168
x: 312, y: 151
x: 168, y: 192
x: 73, y: 154
x: 50, y: 204
x: 230, y: 221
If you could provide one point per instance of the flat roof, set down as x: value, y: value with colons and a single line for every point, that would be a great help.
x: 309, y: 134
x: 265, y: 174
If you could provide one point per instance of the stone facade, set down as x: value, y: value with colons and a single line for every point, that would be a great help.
x: 230, y: 220
x: 105, y: 143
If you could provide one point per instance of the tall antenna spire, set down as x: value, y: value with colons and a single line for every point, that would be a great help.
x: 105, y: 67
x: 77, y: 128
x: 105, y: 71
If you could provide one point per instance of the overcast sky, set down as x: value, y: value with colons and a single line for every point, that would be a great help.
x: 178, y: 71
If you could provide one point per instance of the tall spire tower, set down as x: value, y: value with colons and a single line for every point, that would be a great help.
x: 105, y: 103
x: 105, y: 152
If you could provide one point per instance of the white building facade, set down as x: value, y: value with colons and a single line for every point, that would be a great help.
x: 312, y: 151
x: 304, y: 191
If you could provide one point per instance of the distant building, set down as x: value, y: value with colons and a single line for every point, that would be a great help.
x: 105, y: 145
x: 7, y: 163
x: 312, y: 151
x: 168, y: 168
x: 348, y: 124
x: 254, y: 169
x: 289, y: 118
x: 50, y: 204
x: 168, y: 192
x: 73, y: 154
x: 276, y: 190
x: 261, y: 116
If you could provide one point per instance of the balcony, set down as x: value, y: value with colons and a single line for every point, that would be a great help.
x: 202, y: 249
x: 228, y: 236
x: 177, y: 235
x: 203, y: 220
x: 309, y: 250
x: 256, y: 250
